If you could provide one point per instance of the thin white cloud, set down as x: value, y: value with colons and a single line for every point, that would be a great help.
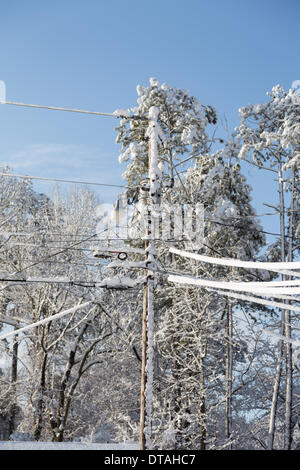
x: 53, y: 155
x: 67, y: 161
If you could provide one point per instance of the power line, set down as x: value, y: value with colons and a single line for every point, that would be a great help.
x: 62, y: 180
x: 44, y: 243
x: 116, y: 114
x: 49, y: 256
x: 128, y: 187
x: 56, y: 253
x: 62, y: 235
x: 65, y: 263
x: 46, y: 320
x: 281, y: 267
x: 249, y: 229
x: 52, y: 281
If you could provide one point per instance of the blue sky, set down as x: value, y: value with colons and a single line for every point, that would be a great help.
x: 92, y: 54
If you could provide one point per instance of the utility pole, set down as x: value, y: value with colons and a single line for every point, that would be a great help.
x: 153, y: 199
x: 14, y: 377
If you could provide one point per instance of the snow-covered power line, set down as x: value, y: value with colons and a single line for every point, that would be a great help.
x: 262, y: 288
x: 261, y: 301
x: 116, y: 282
x: 281, y: 337
x: 280, y: 267
x: 116, y: 114
x: 247, y: 298
x: 46, y: 320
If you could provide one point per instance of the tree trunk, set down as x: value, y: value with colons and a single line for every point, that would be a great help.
x: 277, y: 379
x: 202, y: 411
x: 14, y: 376
x: 40, y: 406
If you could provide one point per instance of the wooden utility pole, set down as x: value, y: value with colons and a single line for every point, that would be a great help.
x: 148, y: 308
x: 14, y: 378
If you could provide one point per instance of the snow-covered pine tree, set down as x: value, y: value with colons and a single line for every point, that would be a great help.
x: 269, y: 134
x: 190, y: 335
x: 231, y: 230
x: 183, y: 120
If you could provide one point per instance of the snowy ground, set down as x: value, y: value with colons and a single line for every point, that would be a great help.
x: 33, y: 445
